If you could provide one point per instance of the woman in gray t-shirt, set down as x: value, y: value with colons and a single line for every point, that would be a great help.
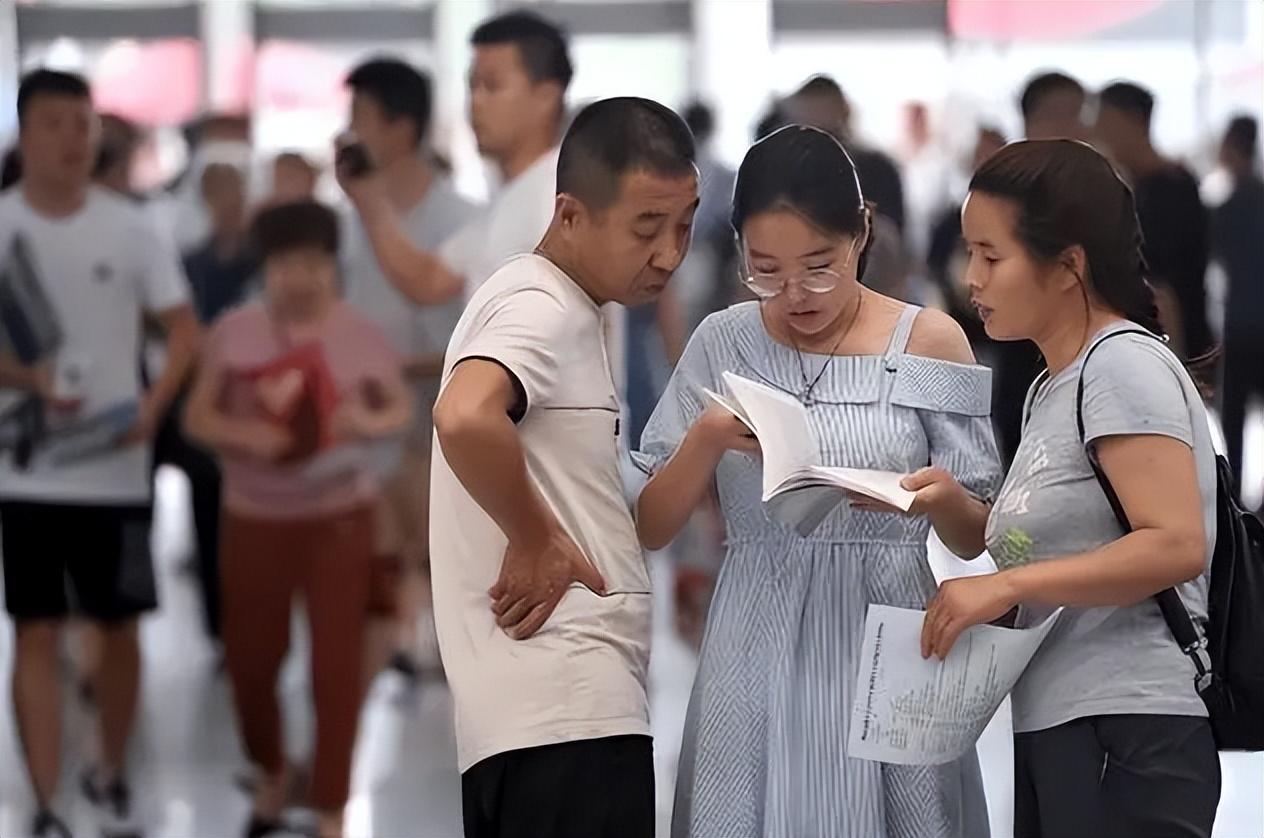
x: 1111, y: 738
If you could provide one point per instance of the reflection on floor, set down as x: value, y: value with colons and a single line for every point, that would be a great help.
x: 186, y: 757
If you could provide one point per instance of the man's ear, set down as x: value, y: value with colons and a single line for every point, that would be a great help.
x: 570, y: 211
x: 549, y: 99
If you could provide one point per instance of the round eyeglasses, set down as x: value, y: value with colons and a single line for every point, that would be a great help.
x: 767, y: 286
x: 817, y: 281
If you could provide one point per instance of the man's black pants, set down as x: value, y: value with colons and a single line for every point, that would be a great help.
x: 593, y: 788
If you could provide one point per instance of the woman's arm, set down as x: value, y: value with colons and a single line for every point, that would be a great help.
x: 958, y: 517
x: 676, y: 490
x: 1157, y: 483
x: 1156, y: 480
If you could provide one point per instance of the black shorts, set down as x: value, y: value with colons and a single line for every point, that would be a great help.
x: 1115, y: 776
x: 87, y: 560
x: 594, y: 788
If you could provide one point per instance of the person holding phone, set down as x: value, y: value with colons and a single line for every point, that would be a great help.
x: 519, y: 74
x: 389, y: 141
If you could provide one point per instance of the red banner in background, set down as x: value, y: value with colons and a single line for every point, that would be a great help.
x: 150, y: 82
x: 1005, y: 20
x: 291, y: 75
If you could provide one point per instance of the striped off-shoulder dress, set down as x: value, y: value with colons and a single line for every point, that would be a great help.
x: 765, y: 743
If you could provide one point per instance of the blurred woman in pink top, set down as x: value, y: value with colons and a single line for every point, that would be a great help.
x: 291, y: 393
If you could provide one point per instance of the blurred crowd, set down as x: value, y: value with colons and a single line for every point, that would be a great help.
x: 239, y: 263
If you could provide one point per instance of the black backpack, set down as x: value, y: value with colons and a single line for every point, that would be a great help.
x: 1229, y: 657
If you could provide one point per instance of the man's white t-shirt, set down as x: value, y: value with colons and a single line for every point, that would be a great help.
x: 513, y: 223
x: 102, y: 269
x: 583, y: 675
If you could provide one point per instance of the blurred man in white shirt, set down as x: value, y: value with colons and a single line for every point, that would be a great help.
x: 76, y: 531
x: 518, y: 81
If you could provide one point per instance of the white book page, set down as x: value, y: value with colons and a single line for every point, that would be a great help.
x: 911, y: 711
x: 781, y: 425
x: 881, y: 485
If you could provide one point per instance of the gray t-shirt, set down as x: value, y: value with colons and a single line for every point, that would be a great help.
x: 1100, y: 661
x: 413, y: 330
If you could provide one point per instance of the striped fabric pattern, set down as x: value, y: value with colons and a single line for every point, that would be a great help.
x: 766, y: 733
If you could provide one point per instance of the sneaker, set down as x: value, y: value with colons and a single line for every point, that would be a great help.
x: 112, y: 805
x: 48, y: 825
x: 258, y: 827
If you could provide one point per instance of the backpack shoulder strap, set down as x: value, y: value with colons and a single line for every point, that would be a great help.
x: 1175, y: 614
x: 1111, y: 497
x: 1079, y: 388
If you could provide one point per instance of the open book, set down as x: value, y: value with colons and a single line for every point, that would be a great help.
x: 797, y: 489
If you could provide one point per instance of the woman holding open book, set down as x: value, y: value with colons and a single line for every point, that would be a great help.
x: 886, y: 388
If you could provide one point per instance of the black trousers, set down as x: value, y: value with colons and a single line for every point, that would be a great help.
x: 1117, y: 777
x: 593, y: 788
x: 1243, y: 378
x: 172, y: 447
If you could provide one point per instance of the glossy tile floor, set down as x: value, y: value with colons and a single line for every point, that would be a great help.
x: 185, y: 755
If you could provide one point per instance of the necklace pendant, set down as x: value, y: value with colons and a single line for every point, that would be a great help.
x: 807, y: 399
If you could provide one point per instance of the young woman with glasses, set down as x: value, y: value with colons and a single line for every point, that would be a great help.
x: 886, y: 386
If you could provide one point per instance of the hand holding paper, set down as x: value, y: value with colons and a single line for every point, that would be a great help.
x: 962, y: 603
x: 913, y: 711
x: 146, y: 425
x: 82, y: 437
